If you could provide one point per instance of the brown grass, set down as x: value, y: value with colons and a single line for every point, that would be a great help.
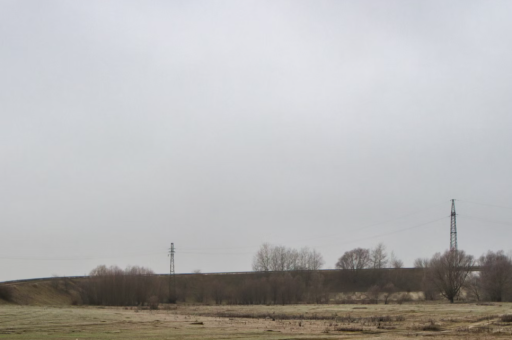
x: 193, y: 322
x: 46, y: 292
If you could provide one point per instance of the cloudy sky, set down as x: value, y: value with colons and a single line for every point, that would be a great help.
x: 220, y: 125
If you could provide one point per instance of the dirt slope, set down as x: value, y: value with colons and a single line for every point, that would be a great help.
x: 55, y: 291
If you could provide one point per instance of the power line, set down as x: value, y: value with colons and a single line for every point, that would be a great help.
x: 325, y: 245
x: 76, y: 258
x: 384, y: 234
x: 480, y: 219
x: 203, y: 253
x: 332, y: 244
x: 199, y: 252
x: 488, y: 205
x: 379, y: 223
x: 331, y: 235
x: 222, y: 248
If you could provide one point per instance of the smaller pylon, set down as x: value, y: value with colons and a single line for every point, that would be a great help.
x: 453, y: 228
x: 172, y: 277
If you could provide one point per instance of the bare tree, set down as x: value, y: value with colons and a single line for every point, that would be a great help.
x: 262, y: 259
x: 280, y: 258
x: 496, y: 275
x: 315, y: 260
x: 395, y: 262
x: 421, y: 263
x: 355, y: 259
x: 474, y: 286
x: 139, y: 282
x: 114, y: 286
x: 309, y: 260
x: 316, y: 290
x: 381, y: 291
x: 290, y: 259
x: 373, y: 293
x: 200, y: 288
x: 448, y: 272
x: 388, y: 290
x: 379, y: 257
x: 429, y: 290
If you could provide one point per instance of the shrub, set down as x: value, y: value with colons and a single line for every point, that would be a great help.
x: 431, y: 327
x: 153, y: 302
x: 400, y: 318
x: 506, y: 318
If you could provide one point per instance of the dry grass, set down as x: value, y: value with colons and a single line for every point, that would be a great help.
x: 444, y: 321
x: 47, y: 292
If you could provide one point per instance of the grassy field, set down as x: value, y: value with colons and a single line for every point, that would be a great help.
x: 415, y: 320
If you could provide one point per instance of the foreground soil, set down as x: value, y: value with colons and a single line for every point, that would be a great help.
x: 418, y: 320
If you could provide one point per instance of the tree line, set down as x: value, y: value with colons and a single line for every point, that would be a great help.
x: 139, y: 286
x: 452, y: 272
x: 448, y: 274
x: 113, y: 286
x: 284, y: 275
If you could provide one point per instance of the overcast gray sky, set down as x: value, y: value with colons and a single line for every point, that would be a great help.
x: 220, y: 125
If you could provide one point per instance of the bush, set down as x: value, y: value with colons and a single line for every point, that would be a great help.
x: 431, y: 327
x: 404, y: 297
x: 506, y: 318
x: 153, y: 302
x: 6, y: 293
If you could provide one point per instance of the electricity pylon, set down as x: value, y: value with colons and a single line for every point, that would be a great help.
x: 172, y: 277
x: 453, y: 228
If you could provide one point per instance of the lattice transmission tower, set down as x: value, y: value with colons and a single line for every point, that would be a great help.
x: 453, y: 228
x: 172, y: 277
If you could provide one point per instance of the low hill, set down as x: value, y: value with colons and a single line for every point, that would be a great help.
x: 52, y: 291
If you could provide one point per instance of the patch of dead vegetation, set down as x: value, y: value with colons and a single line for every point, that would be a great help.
x: 444, y: 321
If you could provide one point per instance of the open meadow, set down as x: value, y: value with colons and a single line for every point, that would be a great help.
x: 393, y: 321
